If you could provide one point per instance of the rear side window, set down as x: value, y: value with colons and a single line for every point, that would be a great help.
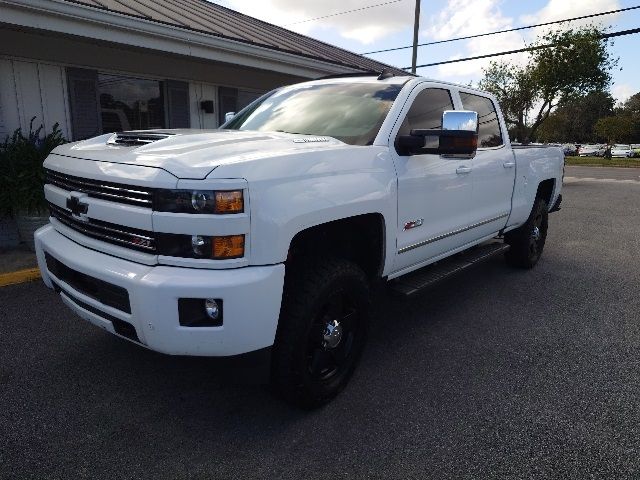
x: 426, y: 110
x: 489, y: 134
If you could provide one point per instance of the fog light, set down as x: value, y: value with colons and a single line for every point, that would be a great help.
x: 211, y: 308
x: 200, y: 312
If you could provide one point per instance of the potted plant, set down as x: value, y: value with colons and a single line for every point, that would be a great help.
x: 22, y: 178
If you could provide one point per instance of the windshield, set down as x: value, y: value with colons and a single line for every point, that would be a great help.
x: 350, y: 112
x: 621, y: 147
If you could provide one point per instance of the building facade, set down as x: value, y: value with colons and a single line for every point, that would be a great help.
x: 101, y: 66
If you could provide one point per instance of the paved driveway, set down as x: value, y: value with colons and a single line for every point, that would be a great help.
x: 497, y: 373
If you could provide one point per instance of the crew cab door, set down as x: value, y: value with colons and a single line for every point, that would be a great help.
x: 434, y: 192
x: 493, y: 173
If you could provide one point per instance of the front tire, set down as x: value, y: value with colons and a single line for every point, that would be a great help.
x: 321, y: 332
x: 527, y: 242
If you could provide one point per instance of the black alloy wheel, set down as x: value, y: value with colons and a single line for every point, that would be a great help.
x: 332, y: 337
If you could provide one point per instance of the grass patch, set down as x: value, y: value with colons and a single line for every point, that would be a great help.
x: 603, y: 162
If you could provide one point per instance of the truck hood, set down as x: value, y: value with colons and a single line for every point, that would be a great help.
x: 193, y: 154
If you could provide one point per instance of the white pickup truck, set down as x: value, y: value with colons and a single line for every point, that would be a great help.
x: 262, y: 238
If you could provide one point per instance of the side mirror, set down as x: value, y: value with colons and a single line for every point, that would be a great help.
x: 458, y: 137
x: 460, y: 120
x: 228, y: 116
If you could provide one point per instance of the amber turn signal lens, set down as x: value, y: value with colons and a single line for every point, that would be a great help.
x: 231, y: 201
x: 228, y: 247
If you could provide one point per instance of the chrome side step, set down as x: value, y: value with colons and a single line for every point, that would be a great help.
x: 416, y: 281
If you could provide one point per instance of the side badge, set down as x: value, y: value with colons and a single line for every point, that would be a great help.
x: 413, y: 224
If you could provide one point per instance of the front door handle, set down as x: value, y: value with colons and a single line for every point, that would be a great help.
x: 509, y: 164
x: 460, y: 170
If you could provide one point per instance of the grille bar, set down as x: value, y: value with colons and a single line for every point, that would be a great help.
x: 116, y: 192
x: 107, y: 232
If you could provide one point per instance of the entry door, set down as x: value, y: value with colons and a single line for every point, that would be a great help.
x: 494, y: 169
x: 434, y: 193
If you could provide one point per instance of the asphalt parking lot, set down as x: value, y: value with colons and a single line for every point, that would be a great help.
x: 497, y: 373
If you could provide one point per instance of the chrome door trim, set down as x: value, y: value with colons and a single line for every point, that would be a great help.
x: 450, y: 234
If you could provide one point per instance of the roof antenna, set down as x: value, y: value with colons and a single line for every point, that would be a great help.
x: 386, y: 73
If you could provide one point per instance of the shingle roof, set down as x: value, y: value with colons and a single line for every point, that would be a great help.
x: 214, y: 19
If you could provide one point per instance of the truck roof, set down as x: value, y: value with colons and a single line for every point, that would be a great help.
x: 391, y: 80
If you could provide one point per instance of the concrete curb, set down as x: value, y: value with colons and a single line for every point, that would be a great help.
x: 20, y: 276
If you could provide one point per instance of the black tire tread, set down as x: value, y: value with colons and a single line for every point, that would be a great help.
x: 303, y: 286
x: 518, y: 239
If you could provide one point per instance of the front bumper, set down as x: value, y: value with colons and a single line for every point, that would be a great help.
x: 251, y: 297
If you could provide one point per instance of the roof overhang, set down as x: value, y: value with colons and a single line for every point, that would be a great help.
x: 79, y: 20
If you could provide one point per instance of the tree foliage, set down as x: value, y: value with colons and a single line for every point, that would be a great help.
x: 21, y: 171
x: 574, y: 120
x: 616, y: 129
x: 576, y: 63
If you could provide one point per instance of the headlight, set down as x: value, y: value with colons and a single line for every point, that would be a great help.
x: 199, y: 201
x: 200, y: 246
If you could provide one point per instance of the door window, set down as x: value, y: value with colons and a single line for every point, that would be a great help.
x: 426, y: 111
x: 489, y: 134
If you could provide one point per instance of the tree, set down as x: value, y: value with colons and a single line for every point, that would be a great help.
x: 564, y: 65
x: 619, y: 128
x: 632, y: 106
x: 574, y: 119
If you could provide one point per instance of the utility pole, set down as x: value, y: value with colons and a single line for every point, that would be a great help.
x: 416, y: 28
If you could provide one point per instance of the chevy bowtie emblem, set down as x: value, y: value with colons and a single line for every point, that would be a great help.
x: 78, y: 209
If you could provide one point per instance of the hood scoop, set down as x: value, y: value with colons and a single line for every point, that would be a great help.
x: 131, y: 139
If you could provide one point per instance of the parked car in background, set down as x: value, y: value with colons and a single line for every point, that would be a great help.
x: 635, y: 150
x: 621, y: 150
x: 569, y: 149
x: 592, y: 150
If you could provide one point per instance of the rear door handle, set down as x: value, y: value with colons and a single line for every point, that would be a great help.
x: 463, y: 170
x: 509, y: 164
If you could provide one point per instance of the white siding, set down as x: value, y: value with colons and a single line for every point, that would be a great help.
x: 3, y: 130
x: 10, y: 113
x: 32, y: 89
x: 197, y: 93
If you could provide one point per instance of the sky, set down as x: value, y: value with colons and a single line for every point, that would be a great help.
x: 391, y: 25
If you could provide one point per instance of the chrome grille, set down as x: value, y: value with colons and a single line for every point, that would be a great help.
x: 116, y: 192
x: 133, y: 238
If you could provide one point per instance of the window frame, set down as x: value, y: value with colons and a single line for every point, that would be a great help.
x: 413, y: 95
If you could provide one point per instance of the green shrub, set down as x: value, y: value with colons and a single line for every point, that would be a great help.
x: 21, y: 170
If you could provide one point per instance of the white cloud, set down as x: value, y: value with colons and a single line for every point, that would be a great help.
x: 364, y: 26
x: 622, y: 91
x: 562, y: 9
x: 462, y: 18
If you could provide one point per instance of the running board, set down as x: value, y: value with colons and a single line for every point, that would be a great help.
x: 415, y: 281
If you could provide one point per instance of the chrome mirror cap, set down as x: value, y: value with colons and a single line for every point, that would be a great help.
x: 464, y: 120
x: 228, y: 116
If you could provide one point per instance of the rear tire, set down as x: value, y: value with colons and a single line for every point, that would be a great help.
x: 527, y: 242
x: 321, y: 332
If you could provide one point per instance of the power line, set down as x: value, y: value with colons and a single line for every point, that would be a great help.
x: 505, y: 31
x: 526, y: 49
x: 343, y: 13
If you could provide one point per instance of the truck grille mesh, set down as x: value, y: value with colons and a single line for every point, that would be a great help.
x: 115, y: 192
x: 133, y: 238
